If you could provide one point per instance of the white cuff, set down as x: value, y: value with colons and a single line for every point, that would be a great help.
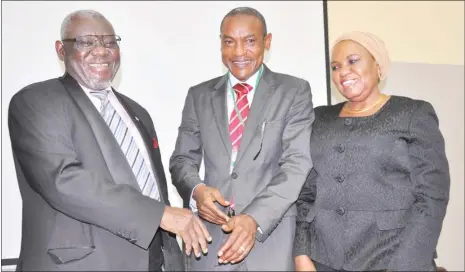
x: 192, y: 202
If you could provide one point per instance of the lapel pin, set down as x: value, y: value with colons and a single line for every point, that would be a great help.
x: 155, y: 142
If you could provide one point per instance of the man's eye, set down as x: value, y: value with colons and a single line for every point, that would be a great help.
x: 110, y: 43
x: 85, y: 43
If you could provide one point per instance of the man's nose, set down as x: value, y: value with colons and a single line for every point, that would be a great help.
x: 99, y: 49
x: 240, y: 49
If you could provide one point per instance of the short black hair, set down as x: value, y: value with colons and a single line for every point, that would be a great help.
x: 246, y: 11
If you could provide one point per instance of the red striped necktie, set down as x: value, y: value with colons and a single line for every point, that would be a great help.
x: 236, y: 127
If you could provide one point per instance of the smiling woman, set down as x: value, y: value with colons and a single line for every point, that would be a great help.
x: 394, y: 195
x: 359, y: 62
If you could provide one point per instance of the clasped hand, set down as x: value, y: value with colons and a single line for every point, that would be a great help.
x: 206, y: 197
x: 187, y: 225
x: 242, y: 228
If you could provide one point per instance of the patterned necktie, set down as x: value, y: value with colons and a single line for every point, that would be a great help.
x: 144, y: 177
x: 236, y: 127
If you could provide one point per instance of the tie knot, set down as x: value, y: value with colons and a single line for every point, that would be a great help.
x: 102, y: 94
x: 242, y: 88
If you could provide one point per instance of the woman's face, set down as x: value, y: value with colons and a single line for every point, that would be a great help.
x: 354, y: 71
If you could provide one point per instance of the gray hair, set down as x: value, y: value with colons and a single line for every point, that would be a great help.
x: 88, y: 13
x: 246, y: 11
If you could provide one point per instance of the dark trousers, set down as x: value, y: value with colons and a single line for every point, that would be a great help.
x: 156, y: 253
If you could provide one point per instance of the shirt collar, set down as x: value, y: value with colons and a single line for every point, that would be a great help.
x: 251, y: 81
x: 87, y: 90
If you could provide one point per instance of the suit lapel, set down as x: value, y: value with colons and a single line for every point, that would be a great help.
x: 219, y: 110
x: 263, y: 93
x: 156, y: 158
x: 114, y: 158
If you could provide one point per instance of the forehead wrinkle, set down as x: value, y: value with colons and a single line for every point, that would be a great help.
x: 78, y: 14
x: 225, y: 36
x: 251, y: 24
x: 82, y: 26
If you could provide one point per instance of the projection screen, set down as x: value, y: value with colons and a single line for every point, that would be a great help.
x: 166, y: 47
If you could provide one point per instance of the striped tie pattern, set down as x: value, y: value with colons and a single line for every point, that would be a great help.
x: 144, y: 177
x: 236, y: 127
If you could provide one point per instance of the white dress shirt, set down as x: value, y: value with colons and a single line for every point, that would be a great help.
x: 127, y: 121
x: 230, y: 100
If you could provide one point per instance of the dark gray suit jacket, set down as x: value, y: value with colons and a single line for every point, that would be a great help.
x: 378, y: 192
x: 271, y: 166
x: 82, y: 206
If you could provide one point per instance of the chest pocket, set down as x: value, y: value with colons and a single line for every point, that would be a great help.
x: 273, y: 131
x: 271, y: 134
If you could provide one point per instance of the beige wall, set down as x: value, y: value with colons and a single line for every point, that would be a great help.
x: 426, y: 45
x: 414, y: 31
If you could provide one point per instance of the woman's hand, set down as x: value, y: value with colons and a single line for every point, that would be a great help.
x: 304, y: 263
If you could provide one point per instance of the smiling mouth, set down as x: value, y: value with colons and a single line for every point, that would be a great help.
x: 348, y: 83
x: 242, y: 63
x: 98, y: 65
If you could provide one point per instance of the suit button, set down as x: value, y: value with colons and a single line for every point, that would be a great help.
x: 339, y: 178
x: 234, y: 175
x: 340, y: 148
x: 348, y: 122
x: 340, y: 211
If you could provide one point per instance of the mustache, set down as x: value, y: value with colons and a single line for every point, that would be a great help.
x: 101, y: 60
x: 241, y: 59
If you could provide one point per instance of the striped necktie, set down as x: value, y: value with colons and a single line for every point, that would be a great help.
x: 123, y: 137
x: 237, y: 123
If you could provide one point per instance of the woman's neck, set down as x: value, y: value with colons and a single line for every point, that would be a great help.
x: 370, y: 101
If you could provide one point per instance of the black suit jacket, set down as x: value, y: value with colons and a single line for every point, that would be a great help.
x: 378, y: 192
x: 82, y: 207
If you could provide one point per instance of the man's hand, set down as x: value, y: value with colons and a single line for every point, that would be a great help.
x: 304, y: 263
x: 206, y: 197
x: 184, y: 223
x: 243, y: 229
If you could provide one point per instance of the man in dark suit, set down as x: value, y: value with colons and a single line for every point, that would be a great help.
x: 256, y: 154
x: 89, y: 168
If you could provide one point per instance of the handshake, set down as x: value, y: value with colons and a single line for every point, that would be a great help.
x: 190, y: 228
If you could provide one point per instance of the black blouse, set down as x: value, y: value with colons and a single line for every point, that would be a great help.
x: 378, y: 191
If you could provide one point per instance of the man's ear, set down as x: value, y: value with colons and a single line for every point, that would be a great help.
x: 268, y: 38
x: 221, y: 42
x: 60, y: 49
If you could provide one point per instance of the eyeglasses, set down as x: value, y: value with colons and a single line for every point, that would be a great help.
x: 89, y: 42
